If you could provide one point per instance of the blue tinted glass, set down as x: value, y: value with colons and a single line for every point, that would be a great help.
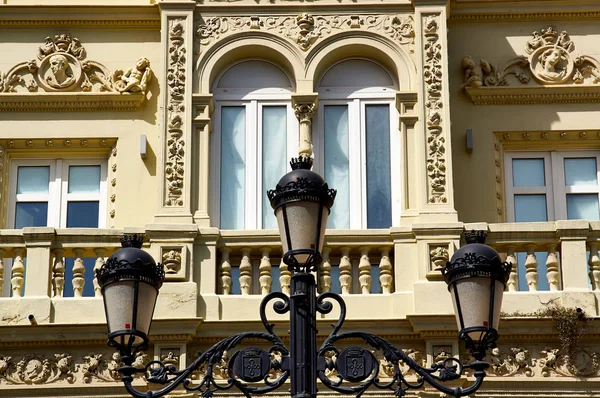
x: 375, y: 283
x: 33, y: 179
x: 528, y: 172
x: 580, y: 171
x: 235, y: 281
x: 82, y: 215
x: 530, y: 208
x: 582, y: 207
x: 275, y: 283
x: 31, y: 214
x: 379, y: 195
x: 335, y: 280
x: 88, y: 288
x: 84, y: 179
x: 274, y: 156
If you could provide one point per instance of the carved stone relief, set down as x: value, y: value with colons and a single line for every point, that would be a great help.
x: 171, y: 258
x: 174, y: 165
x: 549, y: 60
x: 61, y: 66
x: 438, y: 256
x: 436, y: 142
x: 306, y: 29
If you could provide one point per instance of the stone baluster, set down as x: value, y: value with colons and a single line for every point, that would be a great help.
x: 531, y: 265
x: 513, y: 278
x: 364, y: 271
x: 78, y: 272
x: 594, y: 263
x: 2, y: 254
x: 385, y: 271
x: 552, y: 268
x: 245, y: 272
x: 225, y: 271
x: 58, y: 273
x: 18, y: 273
x: 345, y: 271
x: 264, y: 270
x: 325, y: 271
x: 285, y: 277
x: 97, y: 265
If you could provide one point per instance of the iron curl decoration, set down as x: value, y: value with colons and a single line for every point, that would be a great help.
x: 360, y: 367
x: 248, y: 365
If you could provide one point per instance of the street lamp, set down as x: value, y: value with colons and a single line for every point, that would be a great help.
x: 130, y: 280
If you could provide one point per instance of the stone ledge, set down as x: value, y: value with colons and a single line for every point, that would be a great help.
x: 69, y: 102
x: 559, y: 94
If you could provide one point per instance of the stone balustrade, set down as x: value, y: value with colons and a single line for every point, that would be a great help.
x: 223, y: 275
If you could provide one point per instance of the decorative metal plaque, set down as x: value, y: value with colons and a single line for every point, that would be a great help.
x: 252, y: 364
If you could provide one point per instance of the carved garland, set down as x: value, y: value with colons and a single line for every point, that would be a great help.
x: 436, y: 145
x: 174, y: 165
x: 305, y: 29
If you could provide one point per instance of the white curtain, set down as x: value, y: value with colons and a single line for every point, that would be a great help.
x: 337, y: 163
x: 274, y: 141
x: 233, y: 166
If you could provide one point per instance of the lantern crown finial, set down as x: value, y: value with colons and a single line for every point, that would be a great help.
x: 475, y: 236
x: 132, y: 240
x: 303, y: 162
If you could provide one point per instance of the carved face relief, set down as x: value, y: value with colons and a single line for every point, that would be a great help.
x: 59, y: 72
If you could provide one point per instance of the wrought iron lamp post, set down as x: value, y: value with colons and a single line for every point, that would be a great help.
x: 130, y: 280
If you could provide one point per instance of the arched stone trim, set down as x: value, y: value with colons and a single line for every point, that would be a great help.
x: 363, y: 45
x: 246, y: 45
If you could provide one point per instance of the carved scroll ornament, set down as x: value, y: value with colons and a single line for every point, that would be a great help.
x: 549, y: 60
x: 306, y: 29
x: 61, y: 66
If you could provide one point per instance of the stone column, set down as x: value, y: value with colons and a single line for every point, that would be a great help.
x: 305, y: 106
x: 435, y: 197
x: 175, y: 166
x: 203, y: 106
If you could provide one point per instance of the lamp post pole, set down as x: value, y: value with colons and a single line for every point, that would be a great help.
x: 130, y: 278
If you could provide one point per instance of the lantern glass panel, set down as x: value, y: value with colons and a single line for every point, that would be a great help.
x: 474, y: 296
x: 146, y: 302
x: 303, y: 218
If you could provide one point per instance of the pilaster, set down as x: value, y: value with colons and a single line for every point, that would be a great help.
x: 175, y: 170
x: 203, y: 107
x: 305, y: 106
x: 434, y: 196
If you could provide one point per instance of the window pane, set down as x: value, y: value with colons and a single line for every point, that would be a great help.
x: 33, y: 179
x: 84, y: 179
x: 337, y: 164
x: 379, y: 195
x: 528, y: 173
x: 233, y: 165
x: 580, y: 171
x: 274, y: 142
x: 530, y: 208
x: 582, y: 207
x: 31, y: 214
x: 82, y: 214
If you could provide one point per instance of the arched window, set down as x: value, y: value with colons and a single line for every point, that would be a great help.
x: 357, y: 144
x: 254, y: 135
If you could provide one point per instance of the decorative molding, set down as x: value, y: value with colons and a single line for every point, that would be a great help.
x: 70, y: 102
x: 175, y: 151
x: 305, y: 29
x: 515, y: 362
x: 112, y: 178
x: 573, y: 94
x: 149, y: 23
x: 436, y: 142
x: 524, y: 16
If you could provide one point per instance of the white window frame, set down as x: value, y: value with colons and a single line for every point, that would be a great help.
x: 555, y: 190
x: 357, y: 102
x: 58, y: 195
x: 255, y: 192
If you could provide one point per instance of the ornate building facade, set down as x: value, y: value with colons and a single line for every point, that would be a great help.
x: 172, y: 118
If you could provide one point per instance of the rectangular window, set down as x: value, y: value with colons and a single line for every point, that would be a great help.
x: 57, y: 193
x: 253, y: 142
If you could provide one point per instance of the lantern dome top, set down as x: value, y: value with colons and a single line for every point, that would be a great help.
x: 131, y: 260
x: 301, y: 184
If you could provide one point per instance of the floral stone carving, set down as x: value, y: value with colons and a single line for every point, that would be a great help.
x: 61, y: 66
x: 549, y: 60
x: 306, y: 29
x: 37, y: 369
x: 517, y: 361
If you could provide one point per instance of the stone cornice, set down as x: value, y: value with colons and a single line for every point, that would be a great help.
x: 558, y: 94
x: 99, y: 17
x: 69, y: 102
x: 253, y: 7
x: 524, y: 16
